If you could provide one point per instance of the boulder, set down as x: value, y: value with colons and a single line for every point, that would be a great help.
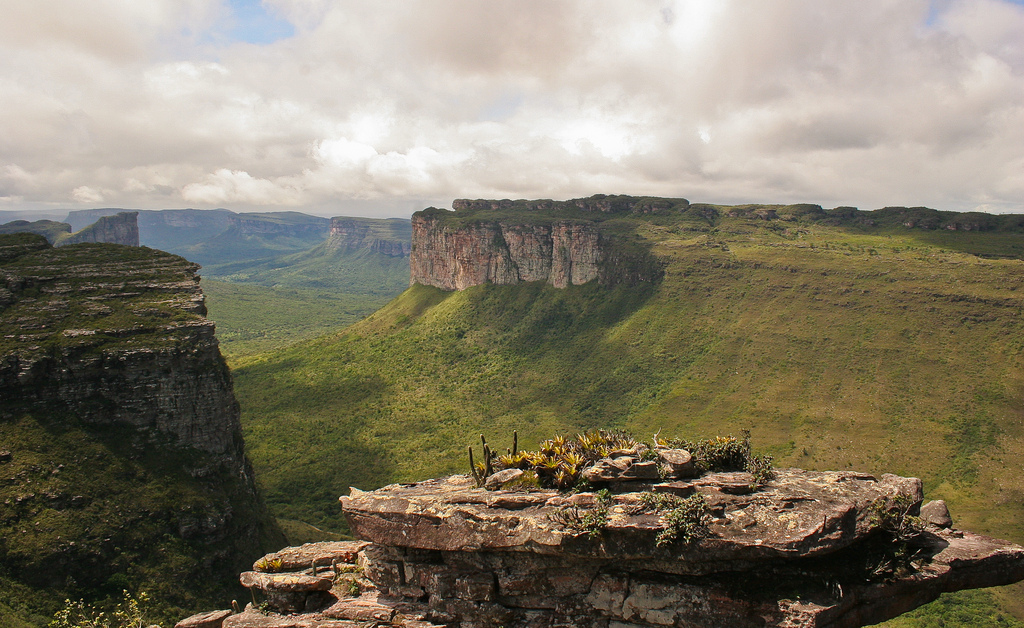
x: 289, y: 592
x: 936, y: 513
x: 496, y: 480
x: 677, y: 464
x: 322, y: 554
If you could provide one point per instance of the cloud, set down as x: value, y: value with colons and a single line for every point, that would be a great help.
x: 86, y: 194
x: 144, y: 105
x: 234, y: 186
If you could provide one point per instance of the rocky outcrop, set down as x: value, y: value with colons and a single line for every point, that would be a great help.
x: 808, y: 549
x: 122, y: 228
x: 805, y: 550
x: 391, y: 237
x: 114, y: 336
x: 454, y: 256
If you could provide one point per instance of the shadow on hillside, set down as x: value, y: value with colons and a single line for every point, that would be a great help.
x: 536, y: 316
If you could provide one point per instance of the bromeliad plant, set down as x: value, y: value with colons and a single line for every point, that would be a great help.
x: 560, y: 462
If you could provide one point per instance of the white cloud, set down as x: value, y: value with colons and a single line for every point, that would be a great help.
x: 86, y: 194
x: 716, y: 100
x: 233, y: 186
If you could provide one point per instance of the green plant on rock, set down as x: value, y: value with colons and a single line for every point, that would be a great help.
x: 127, y: 613
x: 272, y: 565
x: 728, y: 453
x: 686, y: 519
x: 558, y: 462
x: 892, y: 515
x: 896, y: 555
x: 583, y: 521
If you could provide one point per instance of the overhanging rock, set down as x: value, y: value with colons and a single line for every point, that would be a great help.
x: 805, y: 550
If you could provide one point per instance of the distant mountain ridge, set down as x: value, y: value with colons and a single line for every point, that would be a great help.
x: 120, y: 228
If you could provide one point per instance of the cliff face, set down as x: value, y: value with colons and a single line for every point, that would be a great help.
x: 137, y: 350
x: 386, y: 237
x: 505, y: 251
x: 122, y: 228
x: 124, y: 453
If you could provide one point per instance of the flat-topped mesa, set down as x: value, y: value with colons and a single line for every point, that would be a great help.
x: 561, y: 243
x: 121, y: 228
x: 807, y: 549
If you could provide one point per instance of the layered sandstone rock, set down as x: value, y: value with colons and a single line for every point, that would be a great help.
x: 122, y: 445
x: 562, y: 243
x: 807, y: 550
x: 563, y: 253
x: 113, y: 335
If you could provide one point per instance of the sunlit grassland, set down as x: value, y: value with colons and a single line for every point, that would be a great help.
x: 253, y: 319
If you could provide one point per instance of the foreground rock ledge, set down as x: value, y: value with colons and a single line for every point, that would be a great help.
x: 805, y: 551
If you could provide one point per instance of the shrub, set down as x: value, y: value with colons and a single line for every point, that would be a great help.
x: 128, y: 613
x: 728, y: 453
x: 686, y: 519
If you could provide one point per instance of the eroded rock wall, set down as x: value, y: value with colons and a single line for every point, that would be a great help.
x: 116, y: 336
x: 561, y: 253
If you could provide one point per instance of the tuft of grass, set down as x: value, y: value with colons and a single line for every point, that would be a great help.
x: 589, y: 521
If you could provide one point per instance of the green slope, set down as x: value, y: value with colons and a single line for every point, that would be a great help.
x: 253, y: 318
x: 845, y: 345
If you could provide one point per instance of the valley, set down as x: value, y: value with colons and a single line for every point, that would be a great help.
x: 886, y: 341
x: 840, y: 344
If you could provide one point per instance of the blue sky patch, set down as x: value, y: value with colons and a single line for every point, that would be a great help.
x: 250, y: 22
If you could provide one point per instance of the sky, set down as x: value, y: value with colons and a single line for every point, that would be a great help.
x: 382, y: 108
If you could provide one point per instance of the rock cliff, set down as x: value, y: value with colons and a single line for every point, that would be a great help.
x: 124, y: 454
x: 115, y: 336
x: 561, y: 243
x: 122, y: 228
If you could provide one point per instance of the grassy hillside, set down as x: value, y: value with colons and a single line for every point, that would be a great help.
x: 855, y: 345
